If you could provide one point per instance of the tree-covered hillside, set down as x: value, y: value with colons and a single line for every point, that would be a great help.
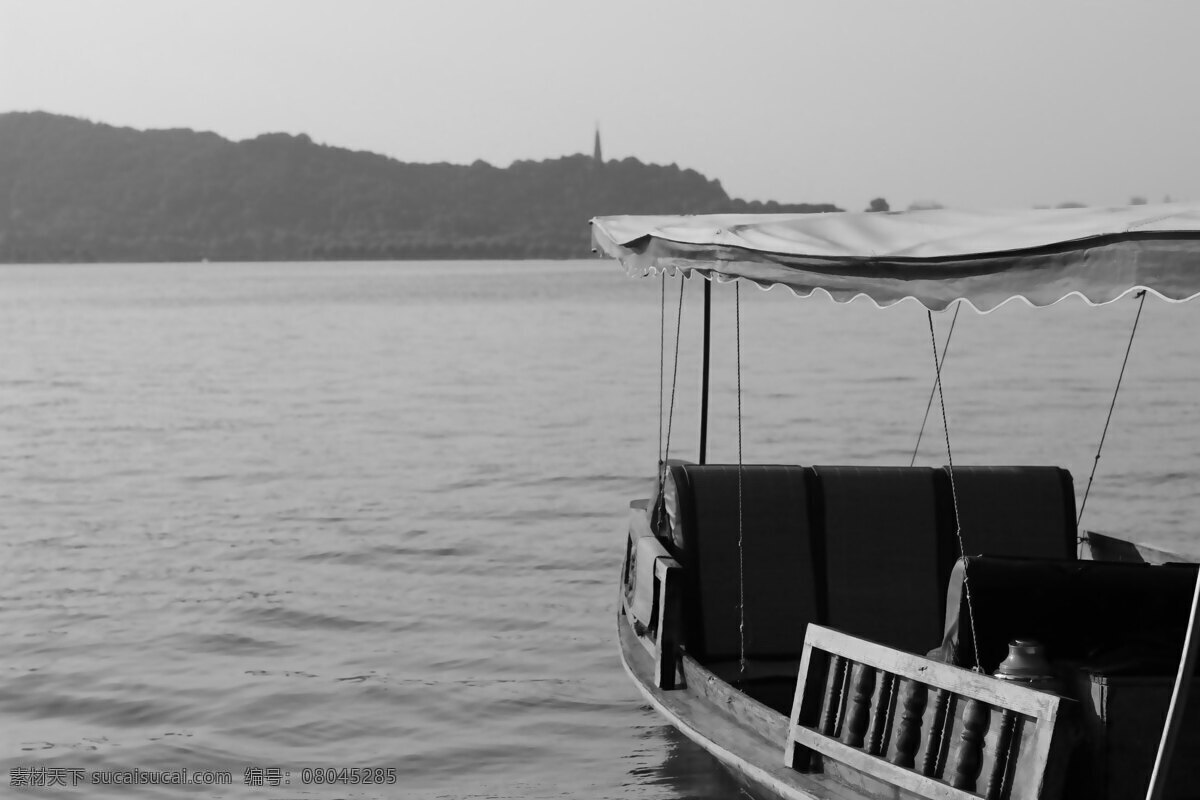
x: 73, y: 190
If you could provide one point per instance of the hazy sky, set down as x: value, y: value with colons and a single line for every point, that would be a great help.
x: 1008, y: 104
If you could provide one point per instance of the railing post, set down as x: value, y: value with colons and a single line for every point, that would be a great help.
x: 881, y: 715
x: 908, y: 737
x: 969, y: 757
x: 859, y: 709
x: 1004, y: 742
x: 833, y: 695
x: 937, y: 731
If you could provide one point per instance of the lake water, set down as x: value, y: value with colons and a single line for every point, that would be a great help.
x: 370, y: 515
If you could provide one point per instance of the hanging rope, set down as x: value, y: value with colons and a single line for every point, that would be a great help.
x: 1111, y: 406
x: 962, y: 548
x: 662, y: 468
x: 674, y: 373
x: 662, y: 358
x: 933, y: 389
x: 737, y: 305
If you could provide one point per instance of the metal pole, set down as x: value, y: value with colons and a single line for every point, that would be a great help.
x: 704, y: 372
x: 1179, y: 697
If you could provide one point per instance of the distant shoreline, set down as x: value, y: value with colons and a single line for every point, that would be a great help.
x: 74, y: 191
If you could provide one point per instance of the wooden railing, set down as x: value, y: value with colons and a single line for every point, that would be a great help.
x: 865, y: 712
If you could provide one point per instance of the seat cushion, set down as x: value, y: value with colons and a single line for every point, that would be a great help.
x: 1028, y: 512
x: 1110, y: 617
x: 776, y: 571
x: 880, y: 531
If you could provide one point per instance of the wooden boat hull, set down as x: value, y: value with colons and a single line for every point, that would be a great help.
x: 755, y: 762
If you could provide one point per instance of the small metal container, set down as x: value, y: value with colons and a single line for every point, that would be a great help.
x: 1027, y: 664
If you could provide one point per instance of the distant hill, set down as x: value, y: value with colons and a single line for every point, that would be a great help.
x: 73, y: 190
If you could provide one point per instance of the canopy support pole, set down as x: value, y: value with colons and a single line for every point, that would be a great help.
x: 704, y: 372
x: 1179, y: 698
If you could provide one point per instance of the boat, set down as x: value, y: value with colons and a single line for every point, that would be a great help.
x: 901, y: 631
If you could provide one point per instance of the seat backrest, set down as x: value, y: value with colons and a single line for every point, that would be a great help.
x: 1112, y: 617
x: 1027, y: 512
x: 866, y: 550
x: 879, y: 526
x: 776, y: 559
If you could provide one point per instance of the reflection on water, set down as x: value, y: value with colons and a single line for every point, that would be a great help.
x: 689, y: 771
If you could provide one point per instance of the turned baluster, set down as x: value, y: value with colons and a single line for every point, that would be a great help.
x: 1004, y: 742
x: 833, y: 695
x: 937, y: 729
x: 859, y: 709
x: 969, y: 758
x: 879, y: 719
x: 908, y: 733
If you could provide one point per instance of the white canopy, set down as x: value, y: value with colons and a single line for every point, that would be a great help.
x: 936, y: 256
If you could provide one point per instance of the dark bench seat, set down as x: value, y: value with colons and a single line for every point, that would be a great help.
x: 866, y: 550
x: 882, y: 542
x: 1104, y: 617
x: 1114, y: 634
x: 776, y: 559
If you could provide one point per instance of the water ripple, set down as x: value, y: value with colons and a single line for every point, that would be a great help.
x: 369, y: 515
